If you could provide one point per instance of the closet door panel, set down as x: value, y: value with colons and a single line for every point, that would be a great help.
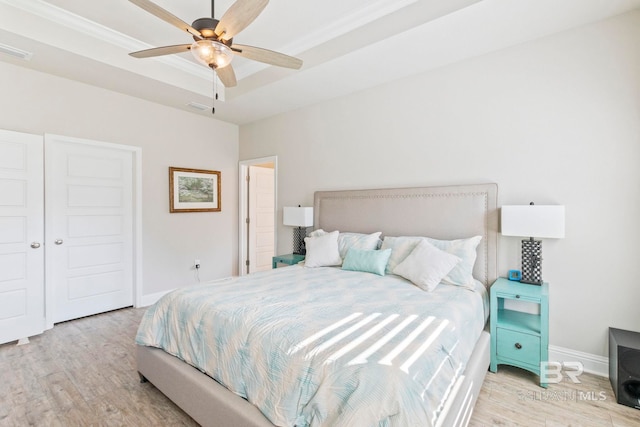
x: 89, y: 218
x: 21, y: 236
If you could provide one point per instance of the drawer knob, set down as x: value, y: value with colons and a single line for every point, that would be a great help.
x: 517, y: 296
x: 518, y: 345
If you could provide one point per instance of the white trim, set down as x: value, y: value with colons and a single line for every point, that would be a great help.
x: 137, y: 232
x: 94, y: 29
x: 347, y: 23
x: 332, y: 31
x: 242, y: 205
x: 242, y: 214
x: 592, y: 363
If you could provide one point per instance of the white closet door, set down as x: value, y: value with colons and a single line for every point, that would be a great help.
x: 21, y: 236
x: 89, y: 226
x: 261, y: 218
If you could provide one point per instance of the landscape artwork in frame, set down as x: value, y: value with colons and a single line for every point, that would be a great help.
x: 194, y: 190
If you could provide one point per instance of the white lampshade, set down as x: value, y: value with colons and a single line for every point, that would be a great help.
x: 542, y: 221
x: 298, y: 216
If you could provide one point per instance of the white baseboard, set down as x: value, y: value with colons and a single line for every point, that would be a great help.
x: 150, y: 299
x: 593, y: 364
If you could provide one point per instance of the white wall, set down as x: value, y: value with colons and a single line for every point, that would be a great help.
x: 38, y: 103
x: 553, y: 121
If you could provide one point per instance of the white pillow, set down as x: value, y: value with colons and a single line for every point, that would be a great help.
x: 365, y: 242
x: 346, y: 241
x: 465, y: 249
x: 426, y: 266
x: 322, y: 251
x: 400, y: 247
x: 316, y: 233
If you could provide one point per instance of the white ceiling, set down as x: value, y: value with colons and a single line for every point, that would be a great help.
x: 346, y: 45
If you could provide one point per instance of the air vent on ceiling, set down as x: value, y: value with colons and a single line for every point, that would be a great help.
x: 198, y: 106
x: 15, y: 52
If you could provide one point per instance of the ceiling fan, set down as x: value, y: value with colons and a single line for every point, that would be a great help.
x: 213, y: 45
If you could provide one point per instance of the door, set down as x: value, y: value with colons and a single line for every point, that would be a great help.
x: 89, y: 226
x: 261, y: 218
x: 21, y: 236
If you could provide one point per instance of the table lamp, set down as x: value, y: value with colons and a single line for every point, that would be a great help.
x: 301, y: 218
x: 541, y: 221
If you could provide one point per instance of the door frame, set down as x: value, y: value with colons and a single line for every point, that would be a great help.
x: 242, y: 205
x: 137, y: 218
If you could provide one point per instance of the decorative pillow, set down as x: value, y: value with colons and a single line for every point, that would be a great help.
x: 400, y: 247
x: 426, y: 265
x: 465, y: 249
x: 322, y: 251
x: 348, y: 241
x: 369, y: 261
x: 316, y: 233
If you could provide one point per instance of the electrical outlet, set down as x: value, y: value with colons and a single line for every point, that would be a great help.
x: 196, y: 263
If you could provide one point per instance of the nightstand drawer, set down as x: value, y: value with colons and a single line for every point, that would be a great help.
x: 518, y: 297
x: 518, y: 346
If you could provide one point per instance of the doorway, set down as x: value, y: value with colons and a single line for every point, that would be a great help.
x: 257, y: 214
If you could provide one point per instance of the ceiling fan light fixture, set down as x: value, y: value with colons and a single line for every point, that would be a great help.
x: 212, y: 53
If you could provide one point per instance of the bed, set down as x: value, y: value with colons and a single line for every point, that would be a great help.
x: 448, y: 212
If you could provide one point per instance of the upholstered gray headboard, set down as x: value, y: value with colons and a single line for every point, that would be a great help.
x: 446, y: 212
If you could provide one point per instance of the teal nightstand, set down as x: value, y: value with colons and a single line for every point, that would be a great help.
x: 289, y: 259
x: 517, y: 338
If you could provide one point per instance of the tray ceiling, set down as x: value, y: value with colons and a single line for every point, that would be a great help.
x: 346, y: 45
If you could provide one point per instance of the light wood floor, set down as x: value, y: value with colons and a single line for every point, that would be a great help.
x: 82, y: 373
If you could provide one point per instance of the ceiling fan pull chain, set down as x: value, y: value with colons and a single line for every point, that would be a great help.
x: 215, y: 91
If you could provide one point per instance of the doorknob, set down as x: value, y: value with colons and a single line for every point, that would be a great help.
x: 58, y: 241
x: 35, y: 245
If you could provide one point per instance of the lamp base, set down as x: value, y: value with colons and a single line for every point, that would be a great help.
x: 531, y: 262
x: 299, y: 233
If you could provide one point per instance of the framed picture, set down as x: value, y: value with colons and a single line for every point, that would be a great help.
x: 194, y: 190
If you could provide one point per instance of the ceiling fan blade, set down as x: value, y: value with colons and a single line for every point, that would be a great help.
x: 238, y: 17
x: 166, y: 16
x: 227, y: 76
x: 267, y: 56
x: 159, y: 51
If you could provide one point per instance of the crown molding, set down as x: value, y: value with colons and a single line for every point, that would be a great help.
x: 349, y: 22
x: 98, y: 31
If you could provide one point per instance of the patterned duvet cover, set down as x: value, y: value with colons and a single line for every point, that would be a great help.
x: 323, y: 346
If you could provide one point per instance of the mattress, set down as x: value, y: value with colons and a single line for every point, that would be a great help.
x: 323, y: 346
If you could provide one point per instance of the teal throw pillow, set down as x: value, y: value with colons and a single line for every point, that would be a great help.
x: 369, y: 261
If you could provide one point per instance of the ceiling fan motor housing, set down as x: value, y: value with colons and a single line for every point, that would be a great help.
x: 207, y: 27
